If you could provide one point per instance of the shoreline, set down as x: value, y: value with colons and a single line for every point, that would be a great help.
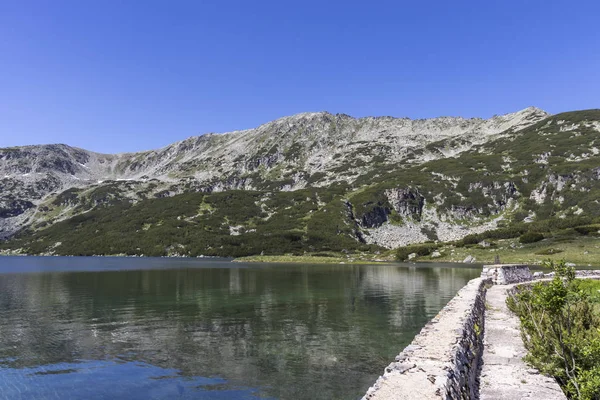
x: 271, y: 259
x: 283, y: 259
x: 246, y: 259
x: 333, y: 259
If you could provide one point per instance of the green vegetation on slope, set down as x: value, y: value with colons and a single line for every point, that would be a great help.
x: 581, y: 250
x: 233, y: 223
x: 575, y: 239
x: 554, y: 157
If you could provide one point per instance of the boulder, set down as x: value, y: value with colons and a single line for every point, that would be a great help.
x: 469, y: 260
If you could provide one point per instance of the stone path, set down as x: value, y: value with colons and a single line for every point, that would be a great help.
x: 504, y: 374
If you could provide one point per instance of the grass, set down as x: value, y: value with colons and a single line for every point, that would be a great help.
x: 593, y: 288
x: 582, y: 251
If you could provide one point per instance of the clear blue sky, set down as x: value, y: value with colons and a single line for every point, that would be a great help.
x: 115, y: 76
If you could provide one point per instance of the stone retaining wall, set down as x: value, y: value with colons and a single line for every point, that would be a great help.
x: 503, y: 274
x: 443, y: 360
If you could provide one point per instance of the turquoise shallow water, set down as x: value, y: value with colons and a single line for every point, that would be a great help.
x: 125, y: 328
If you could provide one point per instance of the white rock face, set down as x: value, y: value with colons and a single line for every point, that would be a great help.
x: 411, y: 231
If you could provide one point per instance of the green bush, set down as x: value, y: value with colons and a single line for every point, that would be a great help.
x: 530, y: 237
x: 588, y: 229
x: 501, y: 233
x: 471, y: 239
x: 430, y: 232
x: 322, y: 254
x: 420, y: 250
x: 560, y: 324
x: 554, y: 224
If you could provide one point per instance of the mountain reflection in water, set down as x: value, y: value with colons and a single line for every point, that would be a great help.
x: 207, y: 331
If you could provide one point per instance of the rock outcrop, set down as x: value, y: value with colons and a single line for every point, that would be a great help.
x: 407, y: 202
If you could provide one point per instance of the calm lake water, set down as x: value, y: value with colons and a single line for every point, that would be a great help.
x: 130, y: 328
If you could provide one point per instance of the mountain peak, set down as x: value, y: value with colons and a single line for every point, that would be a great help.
x: 531, y: 110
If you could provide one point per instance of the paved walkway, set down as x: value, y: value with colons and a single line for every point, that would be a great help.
x: 504, y: 374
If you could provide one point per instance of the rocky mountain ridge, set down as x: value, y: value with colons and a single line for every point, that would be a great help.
x: 292, y: 152
x: 403, y: 180
x: 316, y: 130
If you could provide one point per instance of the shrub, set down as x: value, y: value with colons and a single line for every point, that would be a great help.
x: 530, y: 237
x: 430, y: 232
x: 471, y: 239
x: 402, y: 253
x: 588, y: 229
x: 560, y: 326
x: 322, y: 254
x: 553, y: 224
x: 502, y: 233
x: 505, y: 233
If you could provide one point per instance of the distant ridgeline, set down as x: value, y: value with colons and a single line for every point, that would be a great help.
x: 311, y: 183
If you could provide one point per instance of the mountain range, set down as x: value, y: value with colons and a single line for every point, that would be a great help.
x: 311, y: 182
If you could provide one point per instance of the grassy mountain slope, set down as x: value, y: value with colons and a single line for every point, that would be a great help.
x: 232, y: 223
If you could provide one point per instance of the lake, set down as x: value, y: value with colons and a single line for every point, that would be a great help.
x: 154, y: 328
